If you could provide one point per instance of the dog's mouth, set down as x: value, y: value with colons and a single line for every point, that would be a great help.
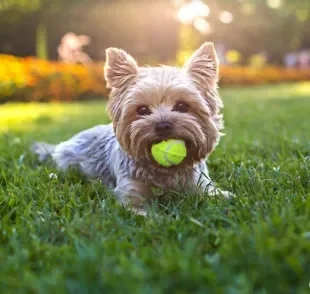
x: 157, y: 141
x: 187, y: 143
x: 188, y: 160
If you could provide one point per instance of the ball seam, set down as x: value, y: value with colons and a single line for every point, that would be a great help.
x: 166, y: 153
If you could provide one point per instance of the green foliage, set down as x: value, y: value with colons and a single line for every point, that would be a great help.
x: 41, y: 9
x: 69, y: 236
x: 21, y: 5
x: 34, y: 5
x: 258, y: 28
x: 41, y: 39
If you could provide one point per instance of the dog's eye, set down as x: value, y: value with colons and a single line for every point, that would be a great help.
x: 143, y: 110
x: 181, y: 107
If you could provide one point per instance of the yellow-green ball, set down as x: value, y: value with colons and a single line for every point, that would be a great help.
x: 169, y: 153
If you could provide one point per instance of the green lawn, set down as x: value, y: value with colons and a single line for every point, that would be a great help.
x: 70, y: 236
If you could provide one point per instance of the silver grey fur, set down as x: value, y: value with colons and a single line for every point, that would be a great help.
x: 97, y: 154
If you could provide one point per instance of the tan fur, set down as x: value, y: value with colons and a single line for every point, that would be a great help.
x: 160, y: 88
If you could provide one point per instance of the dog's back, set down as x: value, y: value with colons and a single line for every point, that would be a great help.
x: 90, y: 151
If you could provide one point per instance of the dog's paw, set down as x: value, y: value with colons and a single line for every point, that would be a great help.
x: 142, y: 212
x: 139, y: 211
x: 217, y: 192
x: 226, y: 194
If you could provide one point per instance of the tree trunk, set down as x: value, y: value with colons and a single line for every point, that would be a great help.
x: 41, y: 41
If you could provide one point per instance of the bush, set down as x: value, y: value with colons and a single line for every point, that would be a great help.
x: 30, y: 79
x: 237, y: 75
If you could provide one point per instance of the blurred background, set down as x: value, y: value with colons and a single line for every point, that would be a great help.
x: 54, y: 50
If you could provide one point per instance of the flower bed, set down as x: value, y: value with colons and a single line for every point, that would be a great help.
x: 30, y: 79
x: 237, y: 75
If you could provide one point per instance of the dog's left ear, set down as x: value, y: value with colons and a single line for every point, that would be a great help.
x: 203, y: 68
x: 203, y: 64
x: 120, y: 68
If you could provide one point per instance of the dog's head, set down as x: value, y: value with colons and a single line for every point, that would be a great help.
x: 151, y: 104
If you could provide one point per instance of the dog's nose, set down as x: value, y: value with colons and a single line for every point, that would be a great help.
x: 164, y: 128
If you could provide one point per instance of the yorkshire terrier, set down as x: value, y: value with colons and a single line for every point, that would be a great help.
x: 148, y: 105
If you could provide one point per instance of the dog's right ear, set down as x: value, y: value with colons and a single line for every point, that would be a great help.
x: 203, y: 68
x: 120, y: 68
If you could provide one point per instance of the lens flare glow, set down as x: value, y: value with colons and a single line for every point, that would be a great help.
x: 274, y: 3
x: 202, y: 26
x: 189, y: 11
x: 226, y: 17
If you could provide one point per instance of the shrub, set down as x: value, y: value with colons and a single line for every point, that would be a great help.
x: 237, y: 75
x: 30, y: 79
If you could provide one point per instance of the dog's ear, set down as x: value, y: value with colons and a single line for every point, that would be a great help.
x: 203, y: 68
x: 203, y: 65
x: 120, y: 68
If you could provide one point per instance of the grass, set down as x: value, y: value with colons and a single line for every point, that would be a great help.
x: 69, y: 236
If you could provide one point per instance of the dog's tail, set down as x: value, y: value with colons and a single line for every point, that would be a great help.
x: 42, y: 150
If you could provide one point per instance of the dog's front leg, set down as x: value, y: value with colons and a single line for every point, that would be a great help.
x: 204, y: 183
x: 133, y: 194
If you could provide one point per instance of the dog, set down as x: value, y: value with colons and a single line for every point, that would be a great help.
x: 148, y: 105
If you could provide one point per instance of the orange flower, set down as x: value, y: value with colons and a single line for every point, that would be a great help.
x: 33, y: 79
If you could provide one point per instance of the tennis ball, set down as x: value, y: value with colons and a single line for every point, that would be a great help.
x: 169, y: 153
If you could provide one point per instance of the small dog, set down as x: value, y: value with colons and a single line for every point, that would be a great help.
x: 148, y: 105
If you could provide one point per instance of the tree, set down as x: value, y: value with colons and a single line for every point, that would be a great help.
x: 275, y: 27
x: 40, y: 10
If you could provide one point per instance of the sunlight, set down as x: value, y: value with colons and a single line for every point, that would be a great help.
x: 274, y: 3
x: 303, y: 89
x: 189, y: 11
x: 202, y: 26
x: 226, y: 17
x: 20, y: 115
